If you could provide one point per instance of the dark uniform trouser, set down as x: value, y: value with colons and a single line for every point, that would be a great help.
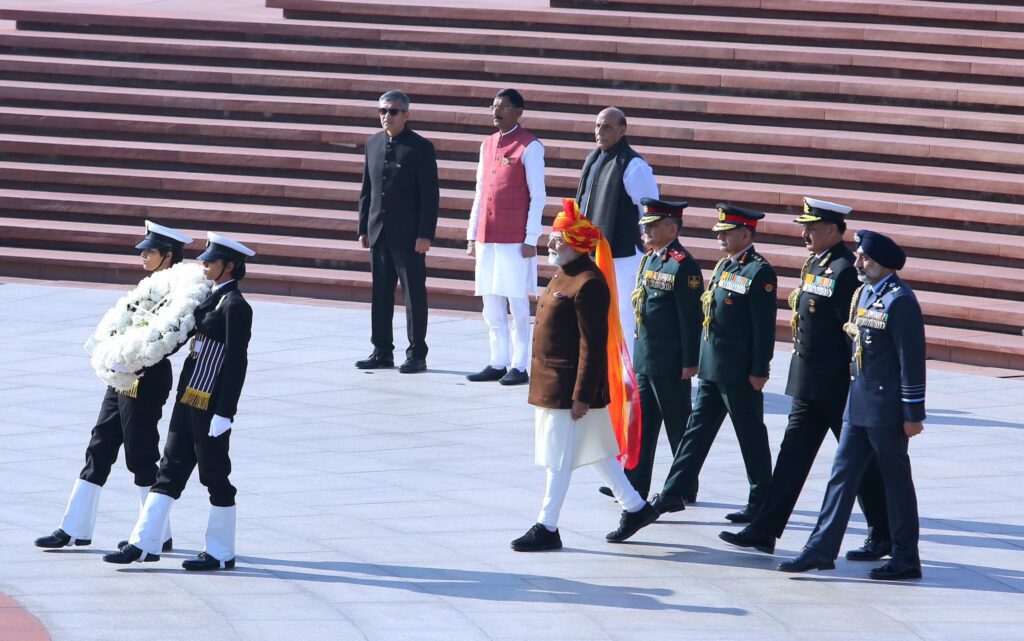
x: 662, y: 398
x: 189, y: 444
x: 133, y: 423
x: 745, y: 406
x: 389, y: 266
x: 857, y: 446
x: 809, y: 421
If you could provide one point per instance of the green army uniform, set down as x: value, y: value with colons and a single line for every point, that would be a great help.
x: 738, y: 341
x: 668, y: 310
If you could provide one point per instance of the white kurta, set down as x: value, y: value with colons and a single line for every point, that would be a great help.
x: 559, y: 440
x: 501, y: 269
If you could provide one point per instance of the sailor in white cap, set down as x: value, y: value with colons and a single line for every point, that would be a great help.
x: 208, y: 391
x: 126, y: 418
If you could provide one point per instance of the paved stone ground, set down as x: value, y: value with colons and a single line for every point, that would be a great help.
x: 379, y: 506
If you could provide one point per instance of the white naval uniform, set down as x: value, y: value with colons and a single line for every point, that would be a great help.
x: 504, y: 278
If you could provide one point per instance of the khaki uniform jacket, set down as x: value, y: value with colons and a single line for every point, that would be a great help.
x: 570, y: 339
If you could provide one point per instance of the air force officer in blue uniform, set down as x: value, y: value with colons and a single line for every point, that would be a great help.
x: 885, y: 409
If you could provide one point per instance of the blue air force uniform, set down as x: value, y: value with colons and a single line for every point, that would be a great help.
x: 887, y: 389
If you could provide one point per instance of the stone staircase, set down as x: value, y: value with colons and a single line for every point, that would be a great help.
x: 912, y: 112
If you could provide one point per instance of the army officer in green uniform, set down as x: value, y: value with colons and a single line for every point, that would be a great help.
x: 666, y: 302
x: 736, y: 348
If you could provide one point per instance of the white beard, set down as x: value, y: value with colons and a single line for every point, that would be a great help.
x: 553, y: 259
x: 862, y: 277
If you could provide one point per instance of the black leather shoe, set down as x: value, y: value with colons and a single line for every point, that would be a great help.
x: 631, y: 522
x: 872, y: 550
x: 748, y: 537
x: 413, y: 365
x: 537, y: 539
x: 808, y: 560
x: 665, y: 503
x: 515, y: 377
x: 166, y: 547
x: 896, y: 571
x: 205, y: 563
x: 690, y: 499
x: 59, y: 539
x: 376, y: 361
x: 130, y: 554
x: 746, y: 515
x: 487, y: 374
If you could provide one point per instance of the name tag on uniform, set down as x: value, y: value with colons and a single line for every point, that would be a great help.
x: 659, y: 280
x: 819, y: 285
x: 734, y: 283
x: 871, y: 318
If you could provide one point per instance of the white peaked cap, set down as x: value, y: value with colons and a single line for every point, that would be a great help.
x: 824, y: 204
x: 173, y: 234
x: 224, y: 241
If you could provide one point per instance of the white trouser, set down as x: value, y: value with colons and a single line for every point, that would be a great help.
x: 625, y: 281
x: 220, y: 533
x: 148, y: 533
x: 80, y: 515
x: 143, y: 493
x: 496, y: 317
x: 611, y: 475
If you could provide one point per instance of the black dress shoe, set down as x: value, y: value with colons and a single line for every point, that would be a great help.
x: 413, y: 365
x: 205, y: 563
x: 515, y: 377
x: 631, y: 522
x: 59, y: 539
x: 537, y: 539
x: 376, y: 361
x: 748, y: 537
x: 665, y: 503
x: 690, y: 499
x: 130, y: 554
x: 487, y: 374
x: 896, y: 571
x: 746, y: 515
x: 872, y: 550
x: 808, y: 560
x: 166, y: 547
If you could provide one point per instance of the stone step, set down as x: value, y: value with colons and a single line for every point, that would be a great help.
x: 318, y: 91
x: 596, y: 74
x: 989, y: 295
x: 465, y: 47
x: 563, y: 162
x: 927, y: 12
x: 346, y: 122
x: 947, y: 244
x: 517, y: 28
x: 960, y: 345
x: 299, y: 192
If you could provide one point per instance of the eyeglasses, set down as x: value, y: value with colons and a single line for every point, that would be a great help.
x: 394, y: 111
x: 500, y: 108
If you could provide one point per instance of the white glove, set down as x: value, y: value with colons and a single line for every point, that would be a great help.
x: 219, y: 425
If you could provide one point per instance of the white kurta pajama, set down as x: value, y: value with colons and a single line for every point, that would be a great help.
x: 562, y: 445
x: 504, y: 278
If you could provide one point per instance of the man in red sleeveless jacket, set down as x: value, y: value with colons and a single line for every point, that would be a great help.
x: 504, y: 227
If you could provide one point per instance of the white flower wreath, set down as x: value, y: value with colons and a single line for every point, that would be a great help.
x: 147, y: 324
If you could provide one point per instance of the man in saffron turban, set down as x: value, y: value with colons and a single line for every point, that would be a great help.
x: 581, y: 384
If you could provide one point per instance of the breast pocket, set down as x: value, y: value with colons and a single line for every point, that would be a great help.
x: 559, y: 363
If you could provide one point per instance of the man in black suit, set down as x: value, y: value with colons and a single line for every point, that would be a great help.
x: 397, y: 218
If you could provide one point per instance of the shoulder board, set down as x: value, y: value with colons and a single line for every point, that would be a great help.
x: 678, y: 255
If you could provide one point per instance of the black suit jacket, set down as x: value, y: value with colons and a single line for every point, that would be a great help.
x: 820, y: 367
x: 224, y: 316
x: 400, y: 195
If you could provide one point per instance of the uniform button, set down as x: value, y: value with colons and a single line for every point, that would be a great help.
x: 851, y: 378
x: 881, y: 388
x: 382, y: 194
